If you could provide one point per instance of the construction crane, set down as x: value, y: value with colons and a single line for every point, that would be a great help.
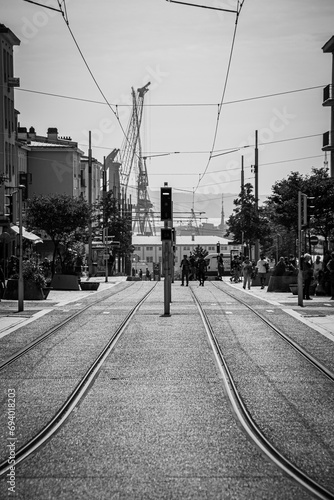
x: 133, y: 166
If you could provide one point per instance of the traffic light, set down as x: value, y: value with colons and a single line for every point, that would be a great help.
x: 166, y: 205
x: 9, y: 206
x: 308, y: 211
x: 218, y: 247
x: 166, y: 234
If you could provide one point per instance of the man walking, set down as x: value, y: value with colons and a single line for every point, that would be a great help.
x: 185, y: 266
x: 247, y: 269
x: 201, y: 270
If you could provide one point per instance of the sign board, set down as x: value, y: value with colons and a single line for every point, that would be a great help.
x: 166, y: 234
x: 314, y: 240
x: 114, y: 244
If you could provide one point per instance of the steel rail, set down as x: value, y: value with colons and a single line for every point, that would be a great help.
x: 247, y: 422
x: 303, y: 352
x: 52, y: 330
x: 76, y: 396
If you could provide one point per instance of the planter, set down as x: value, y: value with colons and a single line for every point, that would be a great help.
x: 294, y: 289
x: 30, y: 291
x: 281, y: 283
x: 89, y: 285
x: 65, y: 282
x: 46, y: 291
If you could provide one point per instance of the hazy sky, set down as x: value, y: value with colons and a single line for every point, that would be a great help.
x: 183, y: 51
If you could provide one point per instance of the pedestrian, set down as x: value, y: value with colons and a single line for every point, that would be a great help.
x: 330, y: 267
x: 201, y: 270
x: 192, y: 261
x: 280, y: 267
x: 148, y: 274
x: 2, y: 283
x: 220, y: 266
x: 247, y: 269
x: 307, y: 275
x: 262, y: 269
x: 317, y: 267
x: 140, y: 274
x: 235, y: 268
x: 185, y: 267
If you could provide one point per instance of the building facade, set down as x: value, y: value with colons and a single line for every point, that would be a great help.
x: 8, y: 155
x: 148, y: 249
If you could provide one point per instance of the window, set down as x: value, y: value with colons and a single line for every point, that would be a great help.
x: 149, y: 259
x: 149, y: 249
x: 186, y: 248
x: 211, y: 248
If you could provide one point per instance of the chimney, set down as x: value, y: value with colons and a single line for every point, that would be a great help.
x: 32, y: 133
x: 22, y: 133
x: 52, y: 134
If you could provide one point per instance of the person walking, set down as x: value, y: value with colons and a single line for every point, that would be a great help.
x: 247, y: 269
x: 330, y: 267
x: 262, y: 269
x: 201, y: 270
x: 185, y: 266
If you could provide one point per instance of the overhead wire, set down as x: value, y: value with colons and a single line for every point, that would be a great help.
x: 239, y: 7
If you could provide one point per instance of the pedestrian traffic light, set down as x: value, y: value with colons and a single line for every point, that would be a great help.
x: 166, y: 205
x: 218, y: 247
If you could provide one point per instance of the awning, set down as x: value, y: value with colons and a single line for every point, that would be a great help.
x: 26, y: 234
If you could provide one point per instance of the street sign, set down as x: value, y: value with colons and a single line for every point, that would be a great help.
x: 314, y: 240
x: 114, y: 244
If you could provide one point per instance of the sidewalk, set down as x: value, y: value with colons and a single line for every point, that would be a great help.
x: 11, y: 319
x: 317, y: 313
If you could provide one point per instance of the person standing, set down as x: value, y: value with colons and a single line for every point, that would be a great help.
x: 220, y: 267
x: 307, y: 275
x: 317, y: 267
x: 262, y: 269
x: 185, y: 266
x: 247, y: 269
x: 201, y: 270
x: 330, y: 267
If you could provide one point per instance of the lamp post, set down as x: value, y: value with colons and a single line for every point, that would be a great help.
x: 20, y: 283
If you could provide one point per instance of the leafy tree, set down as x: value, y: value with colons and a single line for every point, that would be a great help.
x: 282, y: 205
x: 112, y: 215
x: 65, y: 219
x: 245, y: 224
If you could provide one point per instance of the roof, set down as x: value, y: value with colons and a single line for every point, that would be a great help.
x: 181, y: 240
x: 329, y: 45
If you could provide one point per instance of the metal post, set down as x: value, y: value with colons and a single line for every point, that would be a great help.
x: 90, y: 238
x: 256, y: 191
x: 20, y: 283
x: 300, y: 270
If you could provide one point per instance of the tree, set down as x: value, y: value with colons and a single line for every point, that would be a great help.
x: 245, y: 224
x: 198, y: 252
x: 111, y: 214
x: 65, y: 219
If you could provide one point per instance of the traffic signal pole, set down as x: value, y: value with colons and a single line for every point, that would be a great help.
x: 300, y: 269
x: 166, y: 206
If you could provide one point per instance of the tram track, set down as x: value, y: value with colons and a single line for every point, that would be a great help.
x: 295, y: 345
x: 80, y: 390
x: 241, y: 410
x: 45, y: 335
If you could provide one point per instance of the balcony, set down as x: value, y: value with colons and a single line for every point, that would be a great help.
x: 327, y: 142
x: 328, y: 96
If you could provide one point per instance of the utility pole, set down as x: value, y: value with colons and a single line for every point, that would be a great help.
x: 256, y: 190
x: 90, y: 263
x: 300, y: 270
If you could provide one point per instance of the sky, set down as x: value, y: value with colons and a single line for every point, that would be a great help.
x: 185, y: 53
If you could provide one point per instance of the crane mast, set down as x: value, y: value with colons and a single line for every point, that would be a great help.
x: 133, y: 166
